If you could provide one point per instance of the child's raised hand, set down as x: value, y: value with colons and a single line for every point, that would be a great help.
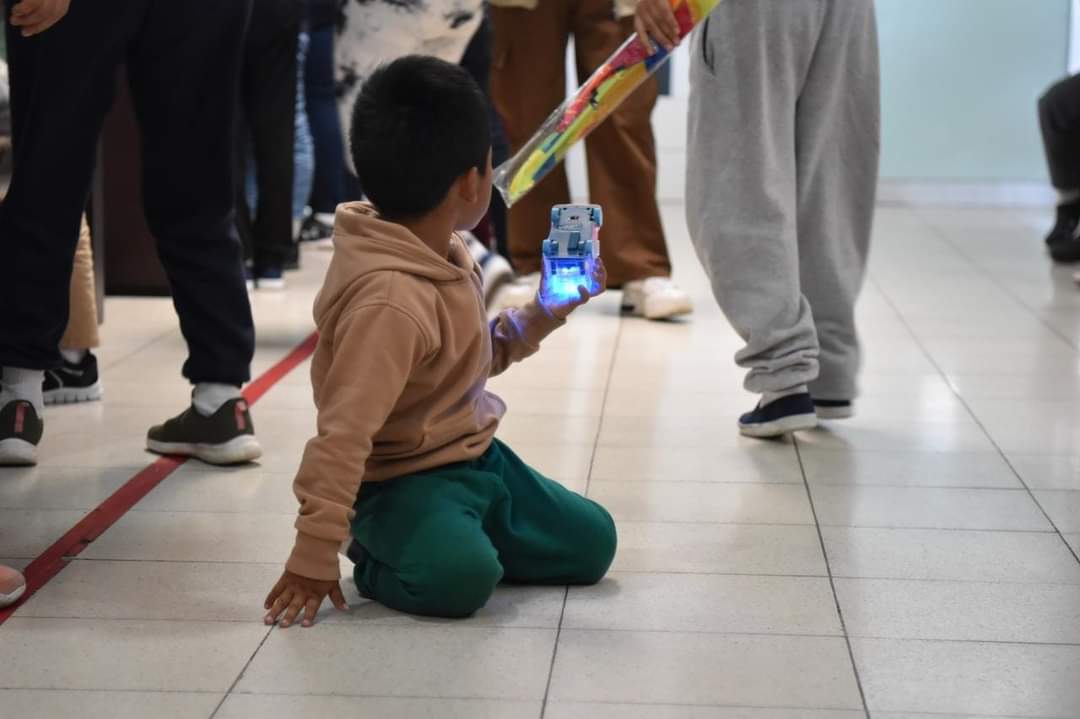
x: 294, y: 594
x: 560, y: 306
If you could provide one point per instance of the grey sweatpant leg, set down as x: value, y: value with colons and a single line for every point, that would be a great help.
x: 784, y: 139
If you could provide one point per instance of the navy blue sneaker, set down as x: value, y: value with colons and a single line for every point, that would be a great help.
x: 779, y: 417
x: 834, y: 408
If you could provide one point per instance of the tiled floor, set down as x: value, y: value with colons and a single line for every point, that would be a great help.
x: 912, y: 562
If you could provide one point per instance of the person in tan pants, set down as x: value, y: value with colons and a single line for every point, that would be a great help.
x: 528, y: 82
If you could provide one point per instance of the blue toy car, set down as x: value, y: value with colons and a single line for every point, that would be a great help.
x: 571, y: 250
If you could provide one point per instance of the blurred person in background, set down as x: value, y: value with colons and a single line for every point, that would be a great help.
x: 528, y: 83
x: 183, y: 63
x: 1059, y: 117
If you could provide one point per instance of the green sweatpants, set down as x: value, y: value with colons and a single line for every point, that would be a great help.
x: 438, y: 542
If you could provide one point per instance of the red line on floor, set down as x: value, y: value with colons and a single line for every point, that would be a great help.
x: 53, y: 560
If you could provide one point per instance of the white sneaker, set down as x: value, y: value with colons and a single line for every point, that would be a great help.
x: 1076, y: 277
x: 655, y: 298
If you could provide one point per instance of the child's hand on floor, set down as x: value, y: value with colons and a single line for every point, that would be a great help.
x: 655, y: 22
x: 560, y: 306
x: 294, y: 594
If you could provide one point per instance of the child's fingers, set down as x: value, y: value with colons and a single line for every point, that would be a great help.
x: 278, y: 587
x: 585, y: 295
x: 295, y: 607
x: 310, y: 610
x: 280, y: 604
x: 600, y: 277
x: 338, y: 598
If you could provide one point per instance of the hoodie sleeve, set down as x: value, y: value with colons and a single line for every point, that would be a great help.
x: 372, y: 353
x: 517, y: 333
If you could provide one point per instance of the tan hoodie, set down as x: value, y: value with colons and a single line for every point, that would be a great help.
x: 404, y: 352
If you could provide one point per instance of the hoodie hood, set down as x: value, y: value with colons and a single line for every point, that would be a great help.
x: 365, y: 244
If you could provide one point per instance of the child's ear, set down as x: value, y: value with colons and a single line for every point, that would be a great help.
x: 469, y: 185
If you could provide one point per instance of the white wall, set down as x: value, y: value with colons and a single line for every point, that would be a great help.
x: 1074, y: 37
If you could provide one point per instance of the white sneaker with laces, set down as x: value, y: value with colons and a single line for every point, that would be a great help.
x: 656, y: 298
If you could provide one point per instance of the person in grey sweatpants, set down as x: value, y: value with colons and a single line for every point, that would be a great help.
x: 782, y: 160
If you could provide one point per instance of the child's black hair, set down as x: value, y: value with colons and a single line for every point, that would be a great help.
x: 418, y: 125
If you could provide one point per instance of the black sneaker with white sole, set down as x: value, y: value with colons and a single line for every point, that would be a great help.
x: 834, y: 408
x: 20, y: 433
x: 225, y: 437
x: 781, y: 416
x: 71, y: 382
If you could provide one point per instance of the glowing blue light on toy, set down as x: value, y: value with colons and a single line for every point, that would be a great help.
x: 571, y: 251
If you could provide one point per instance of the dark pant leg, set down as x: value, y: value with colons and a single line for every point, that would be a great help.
x: 477, y: 60
x: 327, y: 189
x: 544, y: 533
x: 1059, y: 115
x: 268, y: 91
x: 621, y: 157
x: 528, y: 82
x: 185, y: 70
x: 61, y: 87
x: 427, y: 552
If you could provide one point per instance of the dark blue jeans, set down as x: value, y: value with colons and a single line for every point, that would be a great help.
x: 328, y: 185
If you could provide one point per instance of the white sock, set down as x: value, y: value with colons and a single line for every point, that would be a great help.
x: 73, y: 356
x: 1066, y: 197
x: 209, y: 397
x: 770, y: 397
x: 327, y: 218
x: 24, y: 384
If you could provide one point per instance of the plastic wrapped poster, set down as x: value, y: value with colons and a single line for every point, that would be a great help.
x: 582, y: 112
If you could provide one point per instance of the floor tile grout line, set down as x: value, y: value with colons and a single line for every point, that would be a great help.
x: 128, y: 355
x: 982, y: 427
x: 505, y: 700
x: 229, y: 691
x: 588, y: 480
x: 989, y: 276
x: 497, y: 700
x: 832, y: 582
